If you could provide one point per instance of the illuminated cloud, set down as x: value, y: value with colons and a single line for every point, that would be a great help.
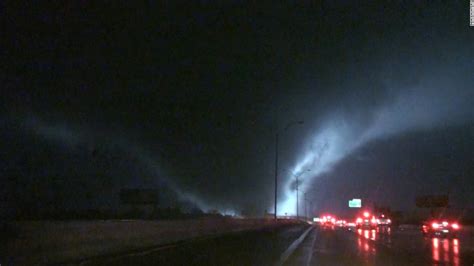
x: 69, y: 136
x: 415, y: 109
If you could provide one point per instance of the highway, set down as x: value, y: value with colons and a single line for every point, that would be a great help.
x: 252, y: 247
x: 319, y: 246
x: 338, y: 246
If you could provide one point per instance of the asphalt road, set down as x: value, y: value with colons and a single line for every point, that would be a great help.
x: 256, y: 247
x: 336, y: 246
x: 321, y: 246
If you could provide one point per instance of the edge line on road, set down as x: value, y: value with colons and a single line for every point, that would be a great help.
x: 310, y: 256
x: 285, y: 255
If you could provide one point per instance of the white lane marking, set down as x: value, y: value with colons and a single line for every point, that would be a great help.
x: 119, y: 257
x: 310, y: 256
x: 292, y: 248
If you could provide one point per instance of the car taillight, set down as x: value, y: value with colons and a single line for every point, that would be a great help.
x: 366, y: 214
x: 455, y: 226
x: 389, y: 221
x: 359, y: 220
x: 373, y: 220
x: 434, y: 225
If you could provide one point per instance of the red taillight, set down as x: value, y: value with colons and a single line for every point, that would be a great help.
x: 434, y: 225
x: 359, y: 220
x: 366, y: 214
x: 455, y: 226
x: 373, y: 220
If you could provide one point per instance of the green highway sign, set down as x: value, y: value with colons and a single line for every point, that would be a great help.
x: 355, y: 203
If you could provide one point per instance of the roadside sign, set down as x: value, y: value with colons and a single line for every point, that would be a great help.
x: 355, y: 203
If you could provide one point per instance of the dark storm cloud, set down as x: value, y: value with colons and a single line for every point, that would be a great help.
x: 393, y: 171
x: 420, y: 84
x: 428, y: 105
x: 109, y: 150
x: 194, y: 95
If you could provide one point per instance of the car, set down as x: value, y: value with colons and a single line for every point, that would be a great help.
x: 384, y: 220
x: 341, y: 223
x: 443, y: 228
x: 328, y: 221
x: 366, y: 221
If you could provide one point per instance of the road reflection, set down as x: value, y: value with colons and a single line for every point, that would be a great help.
x: 362, y: 240
x: 445, y: 251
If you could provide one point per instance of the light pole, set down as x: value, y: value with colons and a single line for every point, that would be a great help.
x: 311, y: 202
x: 297, y: 205
x: 305, y: 209
x: 276, y: 173
x: 310, y: 207
x: 276, y: 161
x: 297, y: 196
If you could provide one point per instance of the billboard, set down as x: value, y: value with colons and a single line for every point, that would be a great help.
x: 138, y: 196
x: 355, y: 203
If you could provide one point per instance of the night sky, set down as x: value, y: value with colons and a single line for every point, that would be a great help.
x: 187, y: 99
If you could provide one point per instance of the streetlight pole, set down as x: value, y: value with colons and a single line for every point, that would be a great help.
x: 276, y: 173
x: 297, y: 213
x: 276, y: 162
x: 310, y: 201
x: 297, y: 192
x: 310, y: 207
x: 305, y: 209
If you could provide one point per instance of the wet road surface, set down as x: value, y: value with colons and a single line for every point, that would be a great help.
x: 321, y: 246
x: 257, y: 247
x: 384, y: 246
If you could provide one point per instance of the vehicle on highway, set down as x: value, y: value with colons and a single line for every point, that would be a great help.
x: 350, y: 225
x: 341, y: 223
x: 366, y: 221
x: 433, y: 228
x: 328, y: 221
x: 383, y: 220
